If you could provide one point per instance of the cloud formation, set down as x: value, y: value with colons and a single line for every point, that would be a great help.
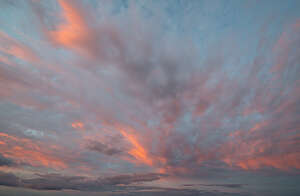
x: 113, y: 88
x: 59, y: 182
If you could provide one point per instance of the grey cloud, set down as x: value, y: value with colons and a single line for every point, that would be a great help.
x: 102, y: 148
x: 6, y: 161
x: 185, y: 192
x: 225, y: 185
x: 103, y: 185
x: 9, y: 179
x: 129, y: 179
x: 59, y: 182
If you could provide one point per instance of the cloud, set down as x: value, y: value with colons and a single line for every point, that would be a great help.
x: 137, y: 151
x: 23, y: 150
x: 102, y: 148
x: 14, y: 48
x: 183, y: 107
x: 5, y: 161
x: 129, y: 179
x: 59, y: 182
x: 109, y: 185
x: 9, y: 179
x: 225, y: 185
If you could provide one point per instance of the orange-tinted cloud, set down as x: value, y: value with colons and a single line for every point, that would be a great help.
x: 10, y: 46
x: 77, y: 125
x: 283, y: 162
x: 74, y: 30
x: 285, y: 46
x: 250, y: 151
x: 25, y: 151
x: 137, y: 150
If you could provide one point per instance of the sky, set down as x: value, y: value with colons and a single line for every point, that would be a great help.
x: 142, y: 98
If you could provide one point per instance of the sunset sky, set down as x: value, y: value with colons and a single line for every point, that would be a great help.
x: 142, y: 98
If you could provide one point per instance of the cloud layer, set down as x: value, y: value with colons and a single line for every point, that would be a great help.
x: 112, y: 89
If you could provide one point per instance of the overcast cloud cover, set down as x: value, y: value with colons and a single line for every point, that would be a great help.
x: 195, y: 97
